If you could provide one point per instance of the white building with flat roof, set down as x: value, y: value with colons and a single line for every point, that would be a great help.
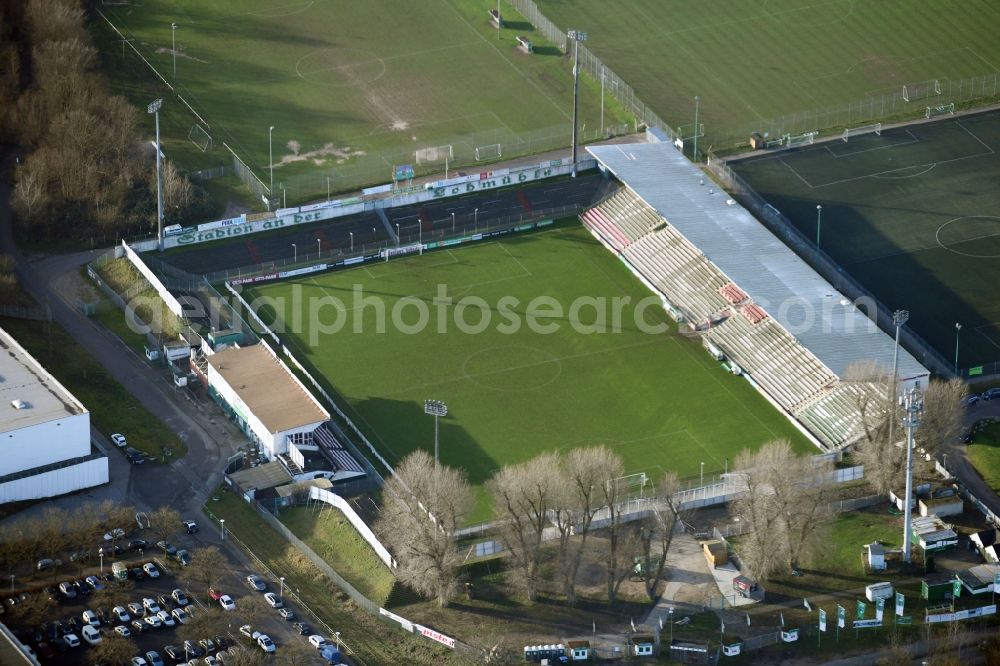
x: 44, y: 432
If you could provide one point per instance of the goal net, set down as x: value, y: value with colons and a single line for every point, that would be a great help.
x: 199, y: 137
x: 804, y: 139
x: 875, y: 128
x: 434, y: 154
x: 914, y: 92
x: 940, y: 110
x: 489, y: 152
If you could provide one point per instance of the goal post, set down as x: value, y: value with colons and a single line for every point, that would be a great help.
x: 804, y: 139
x: 434, y: 155
x: 874, y: 128
x: 491, y: 151
x: 940, y: 110
x: 200, y: 137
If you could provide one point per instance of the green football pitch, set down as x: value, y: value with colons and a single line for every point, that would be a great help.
x: 656, y: 397
x: 912, y: 214
x: 751, y: 60
x: 351, y: 88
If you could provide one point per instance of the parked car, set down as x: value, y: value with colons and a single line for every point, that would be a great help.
x: 150, y: 605
x: 90, y: 618
x: 166, y: 602
x: 123, y: 631
x: 989, y: 394
x: 302, y: 628
x: 135, y: 608
x: 166, y: 618
x: 183, y: 557
x: 94, y: 582
x: 116, y: 533
x: 154, y: 658
x: 174, y: 652
x: 265, y: 643
x: 153, y: 621
x: 248, y: 631
x: 81, y: 588
x: 286, y: 614
x: 179, y: 597
x: 318, y: 641
x: 136, y: 545
x: 80, y: 556
x: 190, y: 526
x: 151, y: 570
x: 273, y: 600
x: 90, y: 634
x: 166, y: 547
x: 970, y: 399
x: 110, y: 550
x: 118, y: 440
x: 138, y: 626
x: 139, y: 661
x: 72, y: 640
x: 135, y: 457
x: 136, y: 573
x: 227, y: 602
x: 180, y: 615
x: 193, y: 649
x: 120, y: 614
x: 207, y: 644
x: 255, y: 582
x: 67, y: 589
x: 47, y: 563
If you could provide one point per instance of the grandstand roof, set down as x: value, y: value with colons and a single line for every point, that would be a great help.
x: 752, y: 257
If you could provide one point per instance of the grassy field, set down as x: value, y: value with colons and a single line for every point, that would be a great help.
x: 341, y: 82
x: 751, y: 61
x: 984, y: 452
x: 513, y: 392
x: 112, y: 408
x: 911, y: 214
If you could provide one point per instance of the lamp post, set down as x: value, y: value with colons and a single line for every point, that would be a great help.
x: 336, y: 635
x: 154, y: 108
x: 173, y: 41
x: 270, y: 160
x: 475, y: 218
x: 101, y: 555
x: 671, y: 611
x: 222, y: 527
x: 453, y: 223
x: 295, y: 250
x: 352, y: 241
x: 702, y: 482
x: 281, y: 593
x: 958, y: 327
x: 319, y: 247
x: 437, y: 409
x: 899, y: 317
x: 397, y: 234
x: 913, y: 405
x: 577, y: 36
x: 697, y: 104
x: 375, y: 235
x: 819, y: 221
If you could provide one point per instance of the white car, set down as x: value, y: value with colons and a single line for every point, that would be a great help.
x: 166, y: 619
x: 318, y: 641
x: 123, y: 631
x: 179, y: 597
x: 139, y: 661
x: 120, y: 614
x: 180, y: 615
x: 265, y: 643
x: 273, y: 600
x: 135, y: 608
x: 151, y: 570
x: 227, y: 602
x: 248, y: 631
x: 210, y: 661
x: 118, y: 440
x: 71, y: 640
x: 90, y: 618
x: 90, y: 634
x: 286, y: 614
x: 150, y: 605
x: 153, y: 621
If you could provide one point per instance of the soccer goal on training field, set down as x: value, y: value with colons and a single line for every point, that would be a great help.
x: 492, y: 151
x: 804, y: 139
x: 199, y: 137
x: 864, y: 129
x: 434, y: 154
x: 940, y: 110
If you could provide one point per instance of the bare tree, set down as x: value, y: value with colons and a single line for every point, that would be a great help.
x: 36, y: 609
x: 30, y: 190
x: 801, y: 496
x: 762, y: 555
x: 207, y: 568
x: 884, y: 460
x: 624, y: 541
x: 252, y: 609
x: 583, y: 473
x: 424, y: 504
x: 206, y: 622
x: 658, y: 530
x: 115, y: 593
x: 164, y: 523
x: 113, y: 649
x: 523, y: 495
x: 944, y: 413
x: 247, y: 656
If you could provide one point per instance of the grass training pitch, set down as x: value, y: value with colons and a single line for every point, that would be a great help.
x: 759, y: 59
x: 912, y: 214
x: 657, y: 398
x: 341, y: 82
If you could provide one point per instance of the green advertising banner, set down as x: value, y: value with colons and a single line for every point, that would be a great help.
x: 859, y: 613
x: 900, y: 602
x: 956, y: 588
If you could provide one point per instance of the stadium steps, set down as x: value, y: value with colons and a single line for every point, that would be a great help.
x: 335, y: 452
x: 594, y: 221
x: 833, y: 416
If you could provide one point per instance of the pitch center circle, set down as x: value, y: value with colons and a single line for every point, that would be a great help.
x: 512, y: 368
x: 982, y: 230
x: 340, y: 67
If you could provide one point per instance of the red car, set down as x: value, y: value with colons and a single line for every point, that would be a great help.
x: 215, y: 594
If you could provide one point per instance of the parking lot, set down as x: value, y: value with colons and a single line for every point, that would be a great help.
x: 158, y: 592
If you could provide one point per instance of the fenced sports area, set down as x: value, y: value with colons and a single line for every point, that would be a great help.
x: 351, y: 89
x: 854, y: 62
x: 913, y: 213
x: 657, y: 398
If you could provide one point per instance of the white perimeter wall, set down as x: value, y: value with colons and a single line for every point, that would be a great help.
x: 44, y: 443
x: 57, y: 482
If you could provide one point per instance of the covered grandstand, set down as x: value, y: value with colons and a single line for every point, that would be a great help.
x: 749, y: 297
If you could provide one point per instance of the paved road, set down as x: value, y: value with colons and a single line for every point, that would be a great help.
x: 958, y: 463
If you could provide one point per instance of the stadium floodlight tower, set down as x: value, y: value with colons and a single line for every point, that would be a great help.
x: 437, y: 409
x: 913, y: 407
x: 899, y: 317
x: 270, y: 160
x: 577, y: 36
x: 154, y: 108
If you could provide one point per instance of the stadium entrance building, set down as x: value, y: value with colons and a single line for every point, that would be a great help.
x: 755, y: 304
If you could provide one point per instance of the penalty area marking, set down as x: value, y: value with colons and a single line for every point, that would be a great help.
x: 937, y: 236
x: 284, y: 10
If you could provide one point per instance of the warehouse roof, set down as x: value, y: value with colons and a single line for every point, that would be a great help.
x: 267, y: 388
x: 807, y: 306
x: 29, y: 395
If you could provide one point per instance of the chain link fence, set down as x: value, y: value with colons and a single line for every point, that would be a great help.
x: 826, y: 266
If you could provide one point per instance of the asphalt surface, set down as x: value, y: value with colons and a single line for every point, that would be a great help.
x: 367, y: 232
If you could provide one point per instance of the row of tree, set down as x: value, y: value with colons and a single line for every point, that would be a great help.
x: 550, y: 514
x: 87, y: 171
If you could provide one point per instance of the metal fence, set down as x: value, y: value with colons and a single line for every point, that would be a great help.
x: 246, y: 174
x: 825, y: 265
x: 900, y: 103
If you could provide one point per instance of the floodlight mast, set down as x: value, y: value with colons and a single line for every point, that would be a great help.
x: 899, y: 317
x: 577, y: 36
x: 437, y: 409
x: 913, y: 406
x: 154, y: 108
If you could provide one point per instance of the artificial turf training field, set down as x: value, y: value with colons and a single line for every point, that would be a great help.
x: 751, y: 60
x: 341, y: 81
x: 658, y: 399
x: 913, y: 214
